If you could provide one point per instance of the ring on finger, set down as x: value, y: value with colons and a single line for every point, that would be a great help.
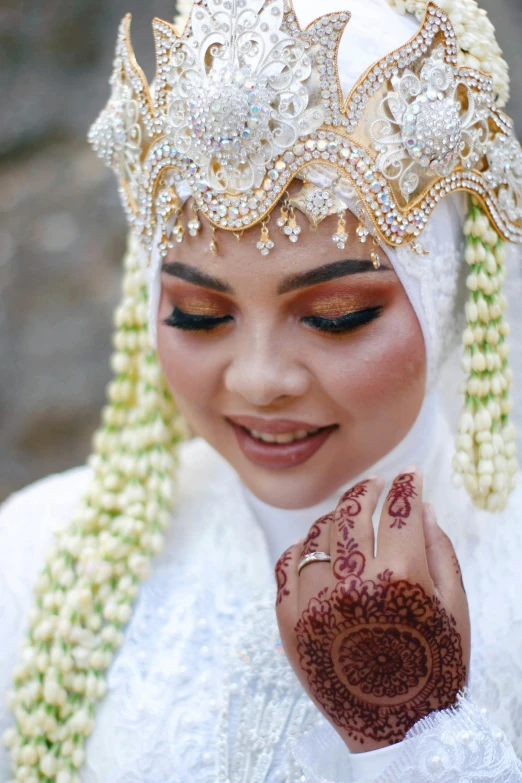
x: 313, y: 557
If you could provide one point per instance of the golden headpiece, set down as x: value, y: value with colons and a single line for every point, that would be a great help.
x: 244, y: 100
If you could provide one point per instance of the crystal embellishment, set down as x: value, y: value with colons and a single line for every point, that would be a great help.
x: 316, y: 203
x: 505, y: 172
x: 423, y: 127
x: 245, y: 100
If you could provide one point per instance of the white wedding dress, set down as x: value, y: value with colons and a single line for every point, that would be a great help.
x: 201, y: 691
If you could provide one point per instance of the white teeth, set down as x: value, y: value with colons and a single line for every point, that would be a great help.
x: 282, y: 437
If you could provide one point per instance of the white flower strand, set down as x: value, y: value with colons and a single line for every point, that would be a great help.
x: 485, y: 460
x: 478, y: 46
x: 85, y: 594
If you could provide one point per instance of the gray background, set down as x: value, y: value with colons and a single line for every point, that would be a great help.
x: 62, y: 231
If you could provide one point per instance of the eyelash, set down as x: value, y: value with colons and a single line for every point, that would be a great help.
x: 195, y: 323
x: 343, y: 324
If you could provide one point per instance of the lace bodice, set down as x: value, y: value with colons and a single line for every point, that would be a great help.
x: 201, y: 690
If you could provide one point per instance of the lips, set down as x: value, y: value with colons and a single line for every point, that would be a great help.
x: 273, y: 425
x: 274, y: 455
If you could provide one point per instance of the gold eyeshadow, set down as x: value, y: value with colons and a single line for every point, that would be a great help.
x: 335, y: 306
x: 200, y: 307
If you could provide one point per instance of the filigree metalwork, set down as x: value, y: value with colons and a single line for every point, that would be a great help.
x: 244, y: 100
x: 426, y: 126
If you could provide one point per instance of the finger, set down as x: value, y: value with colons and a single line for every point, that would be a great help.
x: 311, y: 542
x: 400, y: 540
x: 287, y: 586
x: 316, y: 575
x: 351, y: 534
x: 443, y: 563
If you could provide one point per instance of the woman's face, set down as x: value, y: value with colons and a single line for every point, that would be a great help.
x: 302, y: 368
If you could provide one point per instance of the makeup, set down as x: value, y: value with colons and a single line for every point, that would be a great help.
x: 280, y: 456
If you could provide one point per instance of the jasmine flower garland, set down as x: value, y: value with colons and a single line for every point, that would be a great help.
x: 85, y: 594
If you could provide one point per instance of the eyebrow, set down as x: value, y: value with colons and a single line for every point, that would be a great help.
x: 302, y: 280
x: 193, y: 275
x: 328, y: 272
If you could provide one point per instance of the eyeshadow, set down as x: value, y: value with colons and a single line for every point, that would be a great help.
x: 199, y: 306
x: 335, y: 305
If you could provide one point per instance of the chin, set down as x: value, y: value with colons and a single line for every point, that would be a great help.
x: 290, y: 490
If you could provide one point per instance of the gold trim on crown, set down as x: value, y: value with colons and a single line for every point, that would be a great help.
x: 244, y: 100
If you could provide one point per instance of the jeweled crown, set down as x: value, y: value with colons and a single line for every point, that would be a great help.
x: 244, y: 100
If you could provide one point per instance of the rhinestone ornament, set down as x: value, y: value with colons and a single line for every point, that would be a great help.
x: 237, y: 133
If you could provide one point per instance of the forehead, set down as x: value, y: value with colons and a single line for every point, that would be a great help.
x: 240, y: 262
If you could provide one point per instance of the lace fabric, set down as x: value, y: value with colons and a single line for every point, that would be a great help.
x: 453, y: 746
x: 201, y: 690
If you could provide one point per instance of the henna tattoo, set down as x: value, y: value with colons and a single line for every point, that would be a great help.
x: 399, y: 506
x: 349, y: 506
x: 378, y: 657
x: 281, y: 573
x: 383, y: 661
x: 349, y: 559
x: 310, y: 542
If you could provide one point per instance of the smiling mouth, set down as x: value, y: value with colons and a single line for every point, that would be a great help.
x: 280, y: 450
x: 282, y: 437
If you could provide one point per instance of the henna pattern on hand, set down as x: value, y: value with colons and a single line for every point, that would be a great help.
x: 378, y: 657
x: 310, y: 542
x: 281, y: 573
x: 348, y: 558
x: 399, y: 506
x: 349, y: 506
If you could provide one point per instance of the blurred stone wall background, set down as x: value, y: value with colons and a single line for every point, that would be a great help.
x: 62, y: 232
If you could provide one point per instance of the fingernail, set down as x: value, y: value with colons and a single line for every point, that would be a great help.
x: 372, y: 477
x: 410, y: 469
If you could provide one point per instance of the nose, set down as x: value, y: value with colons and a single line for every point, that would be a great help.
x: 264, y: 371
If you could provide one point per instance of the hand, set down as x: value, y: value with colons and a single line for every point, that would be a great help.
x: 378, y: 642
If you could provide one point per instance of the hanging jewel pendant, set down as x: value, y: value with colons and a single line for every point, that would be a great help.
x: 287, y: 222
x: 292, y: 230
x: 282, y: 220
x: 362, y: 232
x: 194, y: 225
x: 340, y: 237
x: 265, y: 244
x: 164, y: 246
x: 376, y: 259
x: 178, y: 230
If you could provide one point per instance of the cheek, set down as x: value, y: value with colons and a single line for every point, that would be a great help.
x: 191, y: 365
x: 386, y: 365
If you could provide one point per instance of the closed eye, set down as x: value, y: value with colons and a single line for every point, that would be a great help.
x: 344, y: 323
x: 194, y: 323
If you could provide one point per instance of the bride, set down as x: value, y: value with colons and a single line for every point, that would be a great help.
x: 290, y: 574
